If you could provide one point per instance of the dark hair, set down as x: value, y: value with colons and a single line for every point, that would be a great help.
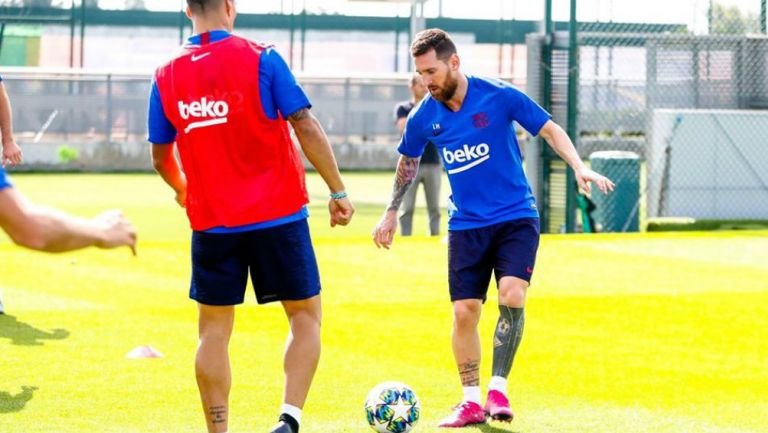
x: 433, y: 39
x: 203, y: 6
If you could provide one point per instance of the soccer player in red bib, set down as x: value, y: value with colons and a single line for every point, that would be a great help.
x: 493, y: 224
x: 223, y: 101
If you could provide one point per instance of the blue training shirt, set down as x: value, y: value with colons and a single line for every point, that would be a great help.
x: 479, y: 150
x: 279, y: 92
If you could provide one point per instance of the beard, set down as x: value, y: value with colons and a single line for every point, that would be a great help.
x: 446, y: 92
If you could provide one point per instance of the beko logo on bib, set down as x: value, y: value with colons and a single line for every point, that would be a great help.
x: 215, y: 111
x: 472, y: 155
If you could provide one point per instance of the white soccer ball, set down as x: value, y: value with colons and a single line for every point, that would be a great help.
x: 392, y: 407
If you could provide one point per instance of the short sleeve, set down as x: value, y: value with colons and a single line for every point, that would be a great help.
x: 413, y: 141
x: 278, y: 86
x: 160, y: 129
x: 525, y: 110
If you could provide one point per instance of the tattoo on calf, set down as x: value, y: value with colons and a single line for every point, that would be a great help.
x: 470, y: 373
x: 406, y: 173
x: 506, y: 339
x: 218, y: 414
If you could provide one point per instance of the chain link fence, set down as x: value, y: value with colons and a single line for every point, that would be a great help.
x: 688, y: 99
x: 76, y: 120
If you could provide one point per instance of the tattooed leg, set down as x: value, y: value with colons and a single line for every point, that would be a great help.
x: 217, y: 414
x: 506, y: 339
x: 466, y: 346
x: 212, y: 364
x: 470, y: 373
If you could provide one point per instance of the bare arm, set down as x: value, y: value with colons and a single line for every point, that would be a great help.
x: 318, y: 151
x: 559, y: 141
x: 165, y: 163
x: 11, y: 150
x: 316, y: 147
x: 401, y: 121
x: 45, y: 229
x: 384, y: 233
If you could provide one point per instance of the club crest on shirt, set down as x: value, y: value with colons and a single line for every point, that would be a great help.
x: 480, y: 120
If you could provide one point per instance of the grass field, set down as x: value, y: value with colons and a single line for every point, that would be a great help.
x: 625, y: 333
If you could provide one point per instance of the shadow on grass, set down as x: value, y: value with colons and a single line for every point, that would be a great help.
x: 493, y: 428
x: 15, y: 403
x: 24, y: 334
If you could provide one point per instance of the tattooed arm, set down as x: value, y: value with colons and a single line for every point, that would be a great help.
x: 406, y: 173
x: 387, y: 226
x: 318, y: 151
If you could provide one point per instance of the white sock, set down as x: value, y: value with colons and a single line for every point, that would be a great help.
x: 471, y: 393
x: 293, y: 411
x: 498, y: 383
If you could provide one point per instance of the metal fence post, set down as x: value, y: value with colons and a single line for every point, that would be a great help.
x: 72, y: 34
x: 397, y: 42
x: 573, y: 103
x: 546, y: 90
x: 82, y: 33
x: 347, y: 120
x: 182, y: 17
x: 108, y: 130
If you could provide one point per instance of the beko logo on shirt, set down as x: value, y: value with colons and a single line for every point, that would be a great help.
x: 217, y: 110
x: 472, y: 155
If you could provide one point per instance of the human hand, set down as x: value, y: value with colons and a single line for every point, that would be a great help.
x: 585, y: 176
x: 11, y: 153
x: 181, y: 198
x: 341, y: 211
x: 116, y: 229
x: 385, y: 230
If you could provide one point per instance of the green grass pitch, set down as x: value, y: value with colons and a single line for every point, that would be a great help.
x: 625, y: 333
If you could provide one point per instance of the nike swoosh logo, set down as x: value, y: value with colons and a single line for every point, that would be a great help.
x: 196, y: 58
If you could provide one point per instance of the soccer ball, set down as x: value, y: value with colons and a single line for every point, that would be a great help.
x: 392, y: 407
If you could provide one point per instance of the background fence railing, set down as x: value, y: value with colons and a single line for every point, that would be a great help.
x: 67, y: 119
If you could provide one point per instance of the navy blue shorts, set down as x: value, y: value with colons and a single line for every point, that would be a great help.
x: 507, y: 249
x: 281, y: 261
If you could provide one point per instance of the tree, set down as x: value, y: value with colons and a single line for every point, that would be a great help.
x: 731, y: 21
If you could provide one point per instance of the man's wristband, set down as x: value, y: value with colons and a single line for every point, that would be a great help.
x: 339, y: 195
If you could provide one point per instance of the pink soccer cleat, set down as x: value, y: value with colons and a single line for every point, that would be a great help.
x: 497, y: 407
x: 464, y: 414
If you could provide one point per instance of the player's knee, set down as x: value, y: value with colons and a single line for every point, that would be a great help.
x: 466, y: 314
x: 213, y: 336
x: 513, y: 294
x: 305, y: 320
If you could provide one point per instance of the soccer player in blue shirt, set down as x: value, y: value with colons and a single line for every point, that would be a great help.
x: 493, y: 221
